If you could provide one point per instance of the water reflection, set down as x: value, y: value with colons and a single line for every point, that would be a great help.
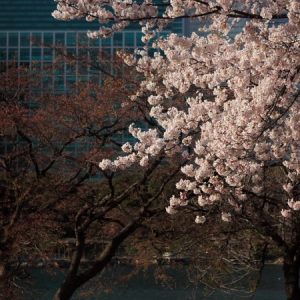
x: 144, y: 286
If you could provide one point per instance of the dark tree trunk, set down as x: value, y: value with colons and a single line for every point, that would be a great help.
x: 74, y: 280
x: 291, y: 277
x: 66, y: 291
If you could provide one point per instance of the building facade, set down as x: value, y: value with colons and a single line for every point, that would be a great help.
x: 31, y: 37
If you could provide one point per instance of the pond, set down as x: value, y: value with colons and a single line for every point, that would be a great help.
x: 144, y: 286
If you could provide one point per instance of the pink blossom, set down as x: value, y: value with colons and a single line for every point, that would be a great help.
x: 200, y: 219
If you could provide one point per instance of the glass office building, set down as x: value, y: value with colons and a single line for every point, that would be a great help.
x: 30, y: 36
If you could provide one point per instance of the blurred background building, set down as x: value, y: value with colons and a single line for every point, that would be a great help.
x: 31, y: 37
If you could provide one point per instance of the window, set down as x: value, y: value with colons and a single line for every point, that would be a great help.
x: 70, y: 68
x: 82, y: 78
x: 2, y: 54
x: 60, y: 39
x: 48, y: 67
x: 13, y: 40
x: 24, y: 64
x: 36, y: 54
x: 95, y: 42
x: 71, y: 80
x: 139, y: 36
x: 94, y: 54
x: 13, y: 54
x: 47, y: 82
x: 25, y: 39
x: 48, y: 39
x: 37, y: 66
x: 118, y: 39
x: 36, y: 39
x: 82, y: 39
x: 59, y: 69
x: 48, y: 54
x: 71, y: 39
x: 129, y: 39
x: 71, y: 52
x: 3, y: 39
x: 106, y: 42
x: 59, y: 84
x: 25, y: 54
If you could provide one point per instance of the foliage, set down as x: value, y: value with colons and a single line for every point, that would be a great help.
x: 50, y: 145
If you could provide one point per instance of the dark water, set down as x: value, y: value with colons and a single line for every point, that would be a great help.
x: 143, y: 286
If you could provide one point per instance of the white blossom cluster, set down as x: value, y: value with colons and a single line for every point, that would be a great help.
x: 241, y: 108
x: 119, y: 12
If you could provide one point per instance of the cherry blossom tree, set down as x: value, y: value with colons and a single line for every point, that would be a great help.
x: 229, y: 104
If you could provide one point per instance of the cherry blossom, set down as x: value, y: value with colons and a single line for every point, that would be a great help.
x: 224, y: 102
x: 200, y: 219
x: 228, y: 104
